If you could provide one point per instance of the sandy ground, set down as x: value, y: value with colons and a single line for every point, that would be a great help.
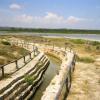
x: 86, y: 82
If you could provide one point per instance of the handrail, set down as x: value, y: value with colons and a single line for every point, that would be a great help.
x: 54, y: 90
x: 16, y: 61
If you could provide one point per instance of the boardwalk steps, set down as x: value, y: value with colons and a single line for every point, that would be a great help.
x: 15, y: 81
x: 19, y: 89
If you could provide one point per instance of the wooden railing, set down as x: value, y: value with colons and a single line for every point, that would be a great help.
x: 15, y: 65
x: 63, y: 77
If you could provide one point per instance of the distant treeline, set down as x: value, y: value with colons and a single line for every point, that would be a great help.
x: 40, y: 30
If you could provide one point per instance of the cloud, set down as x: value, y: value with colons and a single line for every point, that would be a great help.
x: 52, y: 17
x: 49, y: 20
x: 74, y: 20
x: 24, y: 18
x: 15, y: 7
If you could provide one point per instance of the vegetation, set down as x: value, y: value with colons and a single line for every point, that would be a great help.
x: 84, y: 47
x: 85, y: 59
x: 10, y: 52
x: 95, y: 43
x: 40, y: 30
x: 77, y: 41
x: 29, y: 79
x: 5, y: 42
x: 79, y: 45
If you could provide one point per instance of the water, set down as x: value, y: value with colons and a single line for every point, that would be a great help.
x: 95, y: 37
x: 49, y: 74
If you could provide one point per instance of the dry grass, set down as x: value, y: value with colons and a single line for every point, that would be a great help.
x: 85, y: 83
x: 9, y: 52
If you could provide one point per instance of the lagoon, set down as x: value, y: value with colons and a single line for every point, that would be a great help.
x: 93, y: 37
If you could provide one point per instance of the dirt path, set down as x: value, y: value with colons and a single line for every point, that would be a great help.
x: 85, y: 83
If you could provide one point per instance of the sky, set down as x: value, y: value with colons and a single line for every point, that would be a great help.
x: 76, y: 14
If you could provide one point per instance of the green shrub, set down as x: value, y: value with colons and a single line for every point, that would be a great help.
x: 78, y: 41
x: 29, y: 79
x: 98, y: 47
x: 95, y: 43
x: 5, y: 43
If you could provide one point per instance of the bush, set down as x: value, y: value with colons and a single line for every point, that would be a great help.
x: 29, y: 79
x: 95, y: 43
x: 5, y: 43
x: 97, y: 47
x: 78, y: 41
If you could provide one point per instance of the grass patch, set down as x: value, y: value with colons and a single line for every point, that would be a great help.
x: 95, y: 43
x: 77, y: 41
x: 29, y: 79
x: 85, y: 59
x: 10, y: 52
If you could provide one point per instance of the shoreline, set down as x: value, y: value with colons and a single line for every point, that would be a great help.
x: 90, y: 37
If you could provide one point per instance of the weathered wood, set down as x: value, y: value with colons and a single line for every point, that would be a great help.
x: 16, y: 64
x: 22, y: 44
x: 24, y: 60
x: 53, y: 91
x: 30, y: 55
x: 2, y: 71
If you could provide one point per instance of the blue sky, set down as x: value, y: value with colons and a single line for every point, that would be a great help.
x: 83, y: 14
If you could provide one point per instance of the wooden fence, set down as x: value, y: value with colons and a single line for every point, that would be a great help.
x: 15, y: 65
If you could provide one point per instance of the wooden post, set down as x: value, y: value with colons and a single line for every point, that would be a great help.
x: 34, y: 50
x: 24, y: 60
x: 69, y: 78
x: 30, y: 55
x: 67, y: 89
x: 66, y: 46
x: 67, y: 85
x: 16, y: 64
x: 2, y: 71
x: 27, y: 45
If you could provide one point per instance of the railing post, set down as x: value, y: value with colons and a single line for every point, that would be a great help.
x: 69, y: 78
x: 24, y: 60
x: 16, y: 64
x: 2, y: 71
x: 67, y: 89
x: 73, y: 64
x: 34, y: 50
x: 26, y: 45
x: 30, y: 55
